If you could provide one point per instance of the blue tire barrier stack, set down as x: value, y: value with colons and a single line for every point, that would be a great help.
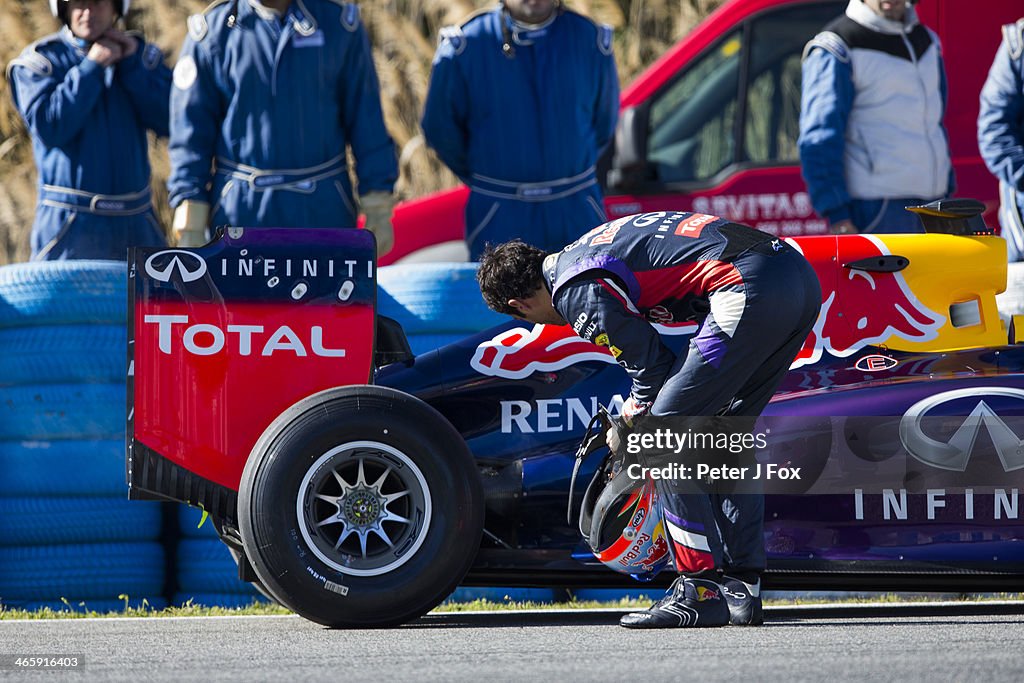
x: 69, y: 537
x: 206, y: 572
x: 436, y: 303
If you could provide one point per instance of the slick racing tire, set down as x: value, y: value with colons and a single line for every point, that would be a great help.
x: 360, y: 507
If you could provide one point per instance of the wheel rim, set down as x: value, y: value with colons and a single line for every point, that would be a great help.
x: 364, y: 508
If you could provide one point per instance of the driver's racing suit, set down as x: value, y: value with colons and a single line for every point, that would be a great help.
x: 755, y: 299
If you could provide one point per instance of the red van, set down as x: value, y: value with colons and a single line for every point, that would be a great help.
x: 712, y: 126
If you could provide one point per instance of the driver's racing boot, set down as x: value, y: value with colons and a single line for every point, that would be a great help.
x: 744, y: 600
x: 689, y: 603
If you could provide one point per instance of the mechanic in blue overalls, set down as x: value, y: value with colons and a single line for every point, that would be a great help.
x: 755, y: 298
x: 1001, y: 134
x: 872, y: 140
x: 521, y: 102
x: 88, y: 94
x: 268, y: 96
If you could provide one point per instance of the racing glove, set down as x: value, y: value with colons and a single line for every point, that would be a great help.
x: 631, y: 410
x: 190, y: 222
x: 378, y: 207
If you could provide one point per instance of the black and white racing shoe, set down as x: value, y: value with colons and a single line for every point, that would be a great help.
x: 689, y: 603
x: 744, y: 600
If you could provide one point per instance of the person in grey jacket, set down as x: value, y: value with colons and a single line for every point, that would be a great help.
x: 1001, y: 133
x: 872, y: 141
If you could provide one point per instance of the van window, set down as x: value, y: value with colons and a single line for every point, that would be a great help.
x: 691, y: 126
x: 693, y: 134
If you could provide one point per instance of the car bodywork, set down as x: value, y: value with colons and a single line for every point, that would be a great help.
x: 903, y: 410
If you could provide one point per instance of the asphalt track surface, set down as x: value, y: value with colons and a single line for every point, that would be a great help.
x: 976, y: 642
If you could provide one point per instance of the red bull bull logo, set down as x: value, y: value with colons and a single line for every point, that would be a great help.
x: 704, y: 593
x: 519, y: 352
x: 860, y: 307
x: 655, y: 553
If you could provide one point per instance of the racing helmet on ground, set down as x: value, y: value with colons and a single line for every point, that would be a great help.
x: 621, y: 520
x: 59, y: 8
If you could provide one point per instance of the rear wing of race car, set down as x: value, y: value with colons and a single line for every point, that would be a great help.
x: 224, y: 338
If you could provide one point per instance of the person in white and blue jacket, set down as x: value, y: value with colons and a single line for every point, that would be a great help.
x: 1001, y: 134
x: 522, y: 100
x: 268, y: 98
x: 872, y: 140
x: 88, y: 94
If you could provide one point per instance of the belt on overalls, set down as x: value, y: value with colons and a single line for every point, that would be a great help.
x: 545, y: 191
x: 99, y: 204
x: 260, y: 179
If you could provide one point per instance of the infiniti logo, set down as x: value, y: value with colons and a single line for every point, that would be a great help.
x: 163, y: 264
x: 956, y: 453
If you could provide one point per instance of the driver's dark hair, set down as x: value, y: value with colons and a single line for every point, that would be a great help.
x: 512, y: 270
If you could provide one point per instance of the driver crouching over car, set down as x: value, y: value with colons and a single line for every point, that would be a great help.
x: 754, y: 299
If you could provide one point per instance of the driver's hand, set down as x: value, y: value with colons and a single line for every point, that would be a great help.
x: 611, y: 437
x: 633, y: 409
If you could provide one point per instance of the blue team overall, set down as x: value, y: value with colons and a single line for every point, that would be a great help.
x: 523, y: 126
x: 263, y: 109
x: 755, y: 298
x: 88, y: 125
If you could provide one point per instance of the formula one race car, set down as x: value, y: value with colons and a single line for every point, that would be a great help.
x: 359, y: 485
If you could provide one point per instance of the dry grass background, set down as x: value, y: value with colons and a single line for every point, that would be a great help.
x: 403, y: 33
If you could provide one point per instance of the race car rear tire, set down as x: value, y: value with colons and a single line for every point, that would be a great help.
x: 360, y: 507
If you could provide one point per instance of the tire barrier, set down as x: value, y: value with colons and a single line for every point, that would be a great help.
x: 64, y: 293
x: 41, y: 521
x: 205, y: 566
x: 434, y: 298
x: 189, y: 519
x: 64, y: 354
x: 424, y: 343
x: 68, y: 534
x: 81, y: 572
x: 76, y: 468
x: 47, y: 412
